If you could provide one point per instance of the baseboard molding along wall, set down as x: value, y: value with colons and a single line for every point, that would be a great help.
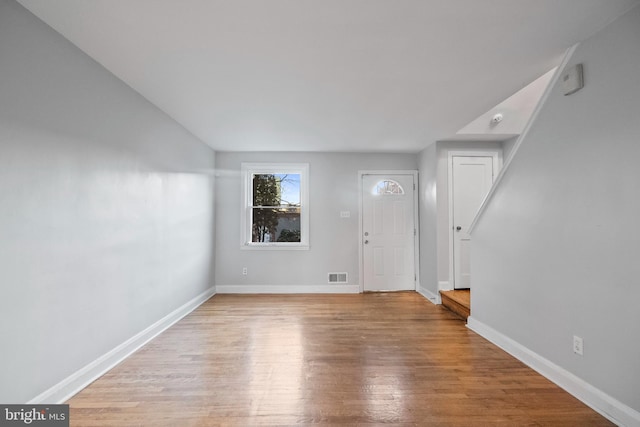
x: 434, y: 298
x: 598, y: 400
x: 77, y: 381
x: 287, y: 289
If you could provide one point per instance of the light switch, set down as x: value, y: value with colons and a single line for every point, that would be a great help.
x: 345, y: 214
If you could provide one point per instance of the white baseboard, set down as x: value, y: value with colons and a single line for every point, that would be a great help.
x: 288, y: 289
x: 444, y: 286
x: 77, y: 381
x: 434, y: 298
x: 607, y: 406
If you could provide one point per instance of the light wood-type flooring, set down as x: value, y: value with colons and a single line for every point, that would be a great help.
x: 458, y: 301
x: 284, y: 360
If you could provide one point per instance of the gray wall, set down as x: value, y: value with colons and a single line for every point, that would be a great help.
x: 333, y: 184
x: 556, y: 252
x: 428, y: 168
x: 508, y: 146
x: 106, y: 209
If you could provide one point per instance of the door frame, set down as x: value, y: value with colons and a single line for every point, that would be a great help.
x: 496, y: 154
x: 416, y: 222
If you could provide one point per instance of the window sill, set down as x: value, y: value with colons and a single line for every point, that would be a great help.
x: 274, y: 247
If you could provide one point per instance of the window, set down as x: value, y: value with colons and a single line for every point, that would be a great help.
x: 275, y: 206
x: 386, y: 188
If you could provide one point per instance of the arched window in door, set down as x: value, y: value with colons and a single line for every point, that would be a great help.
x: 388, y: 188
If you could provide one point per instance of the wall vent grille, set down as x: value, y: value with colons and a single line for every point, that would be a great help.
x: 338, y: 278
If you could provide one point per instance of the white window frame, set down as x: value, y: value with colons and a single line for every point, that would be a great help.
x: 250, y: 169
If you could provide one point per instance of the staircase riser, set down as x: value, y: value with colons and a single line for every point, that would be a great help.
x: 459, y: 309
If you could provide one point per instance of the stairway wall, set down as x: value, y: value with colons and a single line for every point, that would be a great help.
x: 559, y: 237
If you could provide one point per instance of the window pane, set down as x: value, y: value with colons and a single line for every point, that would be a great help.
x: 276, y: 225
x: 276, y: 190
x: 388, y: 187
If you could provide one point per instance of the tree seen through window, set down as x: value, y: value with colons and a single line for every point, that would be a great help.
x: 275, y: 208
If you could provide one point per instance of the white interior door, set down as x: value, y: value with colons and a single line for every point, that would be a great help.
x: 472, y: 179
x: 388, y: 229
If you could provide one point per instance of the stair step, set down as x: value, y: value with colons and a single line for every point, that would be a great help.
x: 457, y: 301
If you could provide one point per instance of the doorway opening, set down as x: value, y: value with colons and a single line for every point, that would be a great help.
x: 470, y: 177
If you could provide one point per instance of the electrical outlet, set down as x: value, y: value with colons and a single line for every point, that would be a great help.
x: 578, y: 346
x: 244, y: 271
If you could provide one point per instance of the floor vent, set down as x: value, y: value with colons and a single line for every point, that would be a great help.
x: 337, y: 277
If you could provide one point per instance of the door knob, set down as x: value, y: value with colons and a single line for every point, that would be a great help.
x: 458, y: 228
x: 366, y: 242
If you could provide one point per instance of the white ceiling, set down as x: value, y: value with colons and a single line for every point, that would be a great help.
x: 326, y: 75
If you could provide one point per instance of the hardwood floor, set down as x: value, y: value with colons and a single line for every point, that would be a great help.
x: 367, y: 359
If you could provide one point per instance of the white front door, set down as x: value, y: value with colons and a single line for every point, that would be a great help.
x: 472, y: 179
x: 388, y: 229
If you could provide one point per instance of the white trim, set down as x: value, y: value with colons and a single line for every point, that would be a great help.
x: 246, y: 170
x: 607, y: 406
x: 77, y: 381
x: 275, y: 247
x: 434, y: 298
x: 416, y: 222
x: 443, y: 285
x: 516, y: 146
x: 288, y: 289
x: 496, y: 155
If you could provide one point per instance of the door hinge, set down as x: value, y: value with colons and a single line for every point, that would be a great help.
x: 414, y: 186
x: 415, y: 233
